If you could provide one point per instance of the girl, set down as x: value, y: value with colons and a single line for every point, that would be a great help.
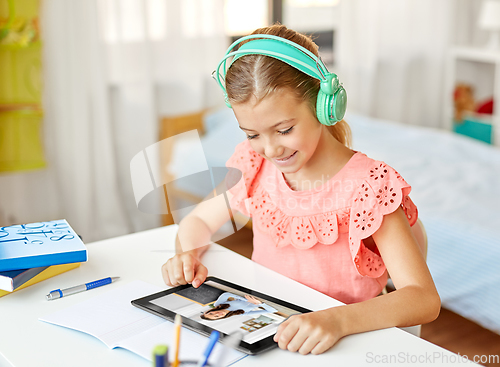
x: 323, y: 214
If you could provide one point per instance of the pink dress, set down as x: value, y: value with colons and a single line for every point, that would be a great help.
x: 316, y: 236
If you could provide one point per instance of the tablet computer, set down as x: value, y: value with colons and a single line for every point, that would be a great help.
x: 226, y: 307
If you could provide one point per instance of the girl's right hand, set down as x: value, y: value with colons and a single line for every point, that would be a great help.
x: 184, y: 268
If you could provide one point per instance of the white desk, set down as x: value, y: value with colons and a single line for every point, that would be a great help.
x: 25, y: 341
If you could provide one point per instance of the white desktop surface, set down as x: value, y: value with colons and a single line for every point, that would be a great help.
x: 26, y: 341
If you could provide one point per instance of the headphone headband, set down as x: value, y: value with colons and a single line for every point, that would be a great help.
x: 278, y: 48
x: 300, y: 58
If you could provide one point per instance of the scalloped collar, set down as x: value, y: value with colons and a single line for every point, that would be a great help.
x: 283, y: 185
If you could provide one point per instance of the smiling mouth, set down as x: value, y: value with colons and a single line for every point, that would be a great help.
x: 287, y: 158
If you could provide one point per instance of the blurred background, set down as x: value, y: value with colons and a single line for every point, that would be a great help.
x: 86, y: 85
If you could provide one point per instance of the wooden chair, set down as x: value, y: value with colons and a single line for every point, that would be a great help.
x: 171, y: 126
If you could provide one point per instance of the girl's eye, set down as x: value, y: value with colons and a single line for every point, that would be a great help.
x: 284, y: 132
x: 287, y: 131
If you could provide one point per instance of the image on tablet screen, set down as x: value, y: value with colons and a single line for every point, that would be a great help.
x: 226, y: 309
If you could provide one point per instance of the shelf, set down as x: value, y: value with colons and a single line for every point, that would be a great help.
x: 479, y: 68
x: 21, y: 145
x: 20, y: 107
x: 476, y: 54
x: 16, y: 47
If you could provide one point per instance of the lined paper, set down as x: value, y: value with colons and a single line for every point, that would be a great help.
x: 113, y: 320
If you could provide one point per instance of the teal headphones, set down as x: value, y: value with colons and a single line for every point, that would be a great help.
x: 332, y: 98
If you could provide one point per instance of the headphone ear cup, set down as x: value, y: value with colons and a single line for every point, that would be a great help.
x: 323, y: 103
x: 339, y: 105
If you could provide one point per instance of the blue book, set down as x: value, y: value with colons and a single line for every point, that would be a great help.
x: 35, y: 245
x: 12, y: 279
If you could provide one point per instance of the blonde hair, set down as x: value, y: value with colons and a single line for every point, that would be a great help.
x: 259, y: 76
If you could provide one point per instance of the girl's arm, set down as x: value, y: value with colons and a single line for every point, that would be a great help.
x: 193, y: 238
x: 414, y: 302
x: 197, y: 228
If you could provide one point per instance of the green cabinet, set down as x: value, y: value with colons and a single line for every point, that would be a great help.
x: 21, y: 116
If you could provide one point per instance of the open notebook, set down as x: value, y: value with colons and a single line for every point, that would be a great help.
x: 114, y: 321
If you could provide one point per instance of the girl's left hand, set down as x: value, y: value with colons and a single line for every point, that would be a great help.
x: 313, y: 332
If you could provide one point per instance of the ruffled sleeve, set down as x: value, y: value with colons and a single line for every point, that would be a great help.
x: 381, y: 193
x: 246, y: 163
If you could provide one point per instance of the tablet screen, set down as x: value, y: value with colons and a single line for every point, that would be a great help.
x: 226, y: 309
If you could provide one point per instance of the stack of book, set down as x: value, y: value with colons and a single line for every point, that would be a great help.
x: 30, y: 253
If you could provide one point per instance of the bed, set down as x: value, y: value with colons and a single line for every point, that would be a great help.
x: 453, y: 182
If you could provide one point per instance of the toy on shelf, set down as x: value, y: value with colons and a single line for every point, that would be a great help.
x: 465, y: 102
x: 471, y: 118
x: 486, y: 107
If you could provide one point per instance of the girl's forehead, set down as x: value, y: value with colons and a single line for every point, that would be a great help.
x: 285, y: 95
x: 266, y: 113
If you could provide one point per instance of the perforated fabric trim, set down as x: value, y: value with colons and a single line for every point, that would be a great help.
x: 380, y: 194
x: 302, y: 232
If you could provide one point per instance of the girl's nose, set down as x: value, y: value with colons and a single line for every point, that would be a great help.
x: 273, y: 150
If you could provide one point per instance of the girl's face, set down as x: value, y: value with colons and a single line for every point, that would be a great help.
x: 281, y: 128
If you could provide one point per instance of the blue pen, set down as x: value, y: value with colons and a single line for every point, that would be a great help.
x: 232, y: 341
x: 211, y: 344
x: 58, y: 293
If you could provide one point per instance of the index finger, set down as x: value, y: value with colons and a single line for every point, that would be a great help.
x: 201, y: 275
x: 164, y: 273
x: 188, y: 268
x: 286, y: 334
x: 281, y: 327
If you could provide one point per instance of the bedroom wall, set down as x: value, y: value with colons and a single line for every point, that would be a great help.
x: 112, y: 69
x: 101, y: 114
x: 391, y: 54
